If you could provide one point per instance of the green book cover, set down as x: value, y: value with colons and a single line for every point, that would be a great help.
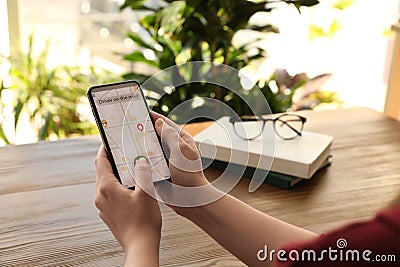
x: 280, y: 180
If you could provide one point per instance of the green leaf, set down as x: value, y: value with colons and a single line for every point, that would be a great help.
x: 171, y: 17
x: 246, y: 9
x: 139, y: 57
x: 256, y: 56
x: 265, y: 28
x: 307, y: 2
x: 186, y: 53
x: 334, y: 27
x: 18, y: 109
x: 343, y: 4
x: 44, y: 131
x: 168, y: 44
x: 315, y: 31
x: 3, y: 136
x: 137, y: 4
x: 138, y: 40
x: 299, y: 3
x: 148, y: 21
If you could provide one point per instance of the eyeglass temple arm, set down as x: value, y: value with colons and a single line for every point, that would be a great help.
x: 293, y: 129
x: 238, y: 119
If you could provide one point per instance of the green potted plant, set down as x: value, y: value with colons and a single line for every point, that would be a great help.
x: 177, y: 32
x: 48, y: 96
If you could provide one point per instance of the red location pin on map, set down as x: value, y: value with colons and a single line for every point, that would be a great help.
x: 140, y: 127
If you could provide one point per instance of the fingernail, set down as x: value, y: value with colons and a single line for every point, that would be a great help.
x: 138, y: 158
x: 159, y: 122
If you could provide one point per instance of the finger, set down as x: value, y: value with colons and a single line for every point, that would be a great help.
x: 168, y: 134
x: 103, y: 165
x: 183, y: 156
x: 159, y: 122
x: 184, y: 136
x: 105, y: 179
x: 187, y: 138
x: 157, y: 116
x: 143, y: 177
x: 182, y: 133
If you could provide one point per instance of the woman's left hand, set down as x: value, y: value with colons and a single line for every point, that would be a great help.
x: 133, y: 216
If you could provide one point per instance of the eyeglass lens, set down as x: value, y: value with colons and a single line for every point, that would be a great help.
x: 288, y: 126
x: 248, y: 129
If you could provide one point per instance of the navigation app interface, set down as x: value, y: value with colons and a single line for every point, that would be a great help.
x: 129, y: 130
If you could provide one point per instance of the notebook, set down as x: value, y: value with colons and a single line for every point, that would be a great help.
x: 300, y: 157
x: 276, y: 179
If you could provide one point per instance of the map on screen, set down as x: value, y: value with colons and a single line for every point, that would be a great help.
x: 129, y: 131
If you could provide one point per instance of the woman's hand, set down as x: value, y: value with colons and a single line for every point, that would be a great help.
x: 190, y: 189
x: 238, y: 227
x: 184, y: 158
x: 133, y: 217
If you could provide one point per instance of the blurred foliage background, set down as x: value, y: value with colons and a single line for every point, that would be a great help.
x: 178, y: 32
x: 171, y: 33
x: 48, y: 98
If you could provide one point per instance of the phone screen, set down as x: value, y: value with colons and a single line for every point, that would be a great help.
x: 127, y: 130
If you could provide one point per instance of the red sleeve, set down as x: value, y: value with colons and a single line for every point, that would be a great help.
x: 371, y: 243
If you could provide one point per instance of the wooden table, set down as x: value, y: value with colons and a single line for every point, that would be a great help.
x: 47, y: 215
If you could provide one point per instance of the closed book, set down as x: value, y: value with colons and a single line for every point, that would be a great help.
x: 276, y: 179
x: 300, y: 157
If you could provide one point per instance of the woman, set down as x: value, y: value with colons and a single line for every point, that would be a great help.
x: 124, y: 212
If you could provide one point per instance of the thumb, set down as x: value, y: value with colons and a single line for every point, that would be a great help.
x: 143, y: 177
x: 168, y: 134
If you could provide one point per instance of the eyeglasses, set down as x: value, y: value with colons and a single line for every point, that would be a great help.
x: 286, y: 126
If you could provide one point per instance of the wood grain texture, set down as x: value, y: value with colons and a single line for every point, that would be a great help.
x: 47, y: 215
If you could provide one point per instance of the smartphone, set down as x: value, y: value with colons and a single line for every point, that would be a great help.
x: 127, y: 130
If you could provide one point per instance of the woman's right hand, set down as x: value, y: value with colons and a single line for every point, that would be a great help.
x: 184, y: 157
x: 190, y: 188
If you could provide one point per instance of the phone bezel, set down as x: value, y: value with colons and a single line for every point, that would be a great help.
x: 103, y: 136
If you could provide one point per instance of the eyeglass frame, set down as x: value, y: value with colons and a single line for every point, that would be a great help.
x: 258, y: 118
